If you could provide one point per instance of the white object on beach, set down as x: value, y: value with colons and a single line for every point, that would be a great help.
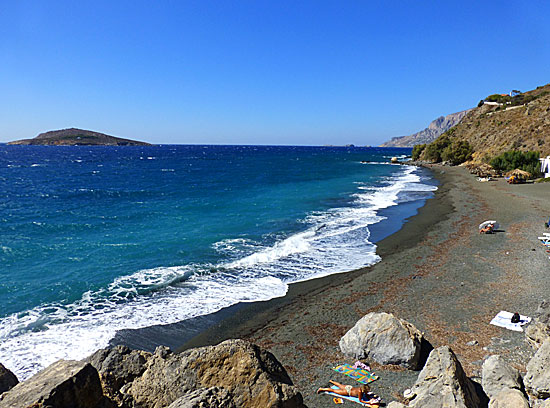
x: 504, y: 319
x: 485, y: 223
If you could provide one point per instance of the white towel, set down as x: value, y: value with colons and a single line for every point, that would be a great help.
x: 504, y: 319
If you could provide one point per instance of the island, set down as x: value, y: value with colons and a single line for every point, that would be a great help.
x: 77, y: 137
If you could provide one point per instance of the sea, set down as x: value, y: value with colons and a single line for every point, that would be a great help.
x: 99, y: 239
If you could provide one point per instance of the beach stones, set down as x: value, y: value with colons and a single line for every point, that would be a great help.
x: 443, y: 383
x: 385, y: 339
x: 510, y: 398
x: 8, y: 379
x: 537, y: 378
x: 498, y: 375
x: 252, y: 376
x: 64, y: 384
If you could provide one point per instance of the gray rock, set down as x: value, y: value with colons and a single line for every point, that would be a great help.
x: 251, y: 375
x: 443, y: 383
x: 117, y: 367
x: 537, y: 378
x: 538, y: 331
x: 510, y: 398
x: 395, y: 404
x: 498, y: 375
x: 64, y: 384
x: 385, y: 339
x: 205, y: 398
x: 540, y: 403
x: 8, y: 380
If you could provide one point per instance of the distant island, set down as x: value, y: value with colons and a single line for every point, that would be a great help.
x: 77, y: 137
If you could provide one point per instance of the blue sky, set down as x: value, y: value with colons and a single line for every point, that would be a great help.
x: 261, y: 72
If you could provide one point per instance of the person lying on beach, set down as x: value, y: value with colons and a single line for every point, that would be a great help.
x: 362, y: 393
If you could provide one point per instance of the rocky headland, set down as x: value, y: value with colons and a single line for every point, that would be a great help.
x: 428, y: 135
x: 77, y: 137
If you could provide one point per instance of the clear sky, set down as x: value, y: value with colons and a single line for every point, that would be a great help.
x: 261, y: 72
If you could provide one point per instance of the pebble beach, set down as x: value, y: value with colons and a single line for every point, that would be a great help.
x: 437, y: 272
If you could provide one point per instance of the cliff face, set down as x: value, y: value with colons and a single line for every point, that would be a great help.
x: 428, y: 135
x: 73, y: 136
x: 494, y: 129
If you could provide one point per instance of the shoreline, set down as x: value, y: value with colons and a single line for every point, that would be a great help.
x: 437, y: 272
x: 247, y: 318
x: 195, y: 332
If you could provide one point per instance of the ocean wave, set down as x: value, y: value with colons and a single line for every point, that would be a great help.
x: 332, y: 241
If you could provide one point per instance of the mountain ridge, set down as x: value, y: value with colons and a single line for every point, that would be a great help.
x: 436, y: 128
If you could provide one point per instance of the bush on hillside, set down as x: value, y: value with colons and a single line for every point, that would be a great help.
x: 417, y: 151
x: 445, y: 149
x: 515, y: 159
x: 457, y: 152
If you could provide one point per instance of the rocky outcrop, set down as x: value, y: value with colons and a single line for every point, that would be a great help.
x: 64, y: 384
x: 428, y: 135
x: 80, y: 137
x: 537, y: 378
x: 498, y: 376
x: 251, y: 375
x: 509, y: 398
x: 117, y: 367
x: 205, y: 398
x: 8, y: 380
x: 538, y: 331
x: 443, y: 383
x: 385, y: 339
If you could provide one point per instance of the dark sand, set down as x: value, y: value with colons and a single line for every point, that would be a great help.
x: 437, y: 272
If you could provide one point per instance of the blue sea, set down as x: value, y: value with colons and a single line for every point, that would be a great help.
x: 99, y: 239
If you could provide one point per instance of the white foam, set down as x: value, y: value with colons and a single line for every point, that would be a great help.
x: 334, y: 241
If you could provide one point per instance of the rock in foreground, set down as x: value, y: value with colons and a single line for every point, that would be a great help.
x: 252, y: 376
x: 64, y: 384
x: 385, y: 339
x: 442, y: 383
x: 498, y: 375
x: 8, y: 380
x: 537, y: 378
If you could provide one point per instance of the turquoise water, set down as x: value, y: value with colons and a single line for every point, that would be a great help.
x: 97, y: 239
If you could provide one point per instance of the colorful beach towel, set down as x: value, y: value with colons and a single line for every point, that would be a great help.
x: 358, y: 374
x: 504, y: 319
x: 353, y: 399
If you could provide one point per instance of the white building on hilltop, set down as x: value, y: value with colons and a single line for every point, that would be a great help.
x: 545, y: 166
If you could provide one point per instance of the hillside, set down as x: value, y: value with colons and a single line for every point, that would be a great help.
x: 523, y: 125
x: 428, y: 135
x: 74, y: 137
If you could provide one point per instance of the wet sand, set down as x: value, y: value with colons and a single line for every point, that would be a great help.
x: 437, y: 272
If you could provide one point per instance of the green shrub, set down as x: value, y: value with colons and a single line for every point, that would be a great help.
x: 417, y: 151
x: 457, y: 152
x: 515, y: 159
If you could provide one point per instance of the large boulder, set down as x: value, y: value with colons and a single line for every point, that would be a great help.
x: 117, y: 367
x: 509, y: 398
x: 8, y: 380
x: 497, y: 375
x: 538, y: 331
x: 251, y: 375
x: 205, y: 398
x: 385, y: 339
x: 443, y: 383
x: 64, y: 384
x: 537, y: 378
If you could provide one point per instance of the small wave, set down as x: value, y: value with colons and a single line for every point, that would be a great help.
x: 332, y: 241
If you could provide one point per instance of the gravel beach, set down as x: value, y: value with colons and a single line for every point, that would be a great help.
x: 437, y: 272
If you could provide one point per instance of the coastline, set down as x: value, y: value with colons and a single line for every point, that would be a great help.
x: 437, y: 272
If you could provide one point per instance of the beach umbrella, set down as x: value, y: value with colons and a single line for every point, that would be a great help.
x: 519, y: 173
x: 486, y: 223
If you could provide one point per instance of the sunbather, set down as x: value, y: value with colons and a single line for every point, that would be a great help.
x: 362, y: 393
